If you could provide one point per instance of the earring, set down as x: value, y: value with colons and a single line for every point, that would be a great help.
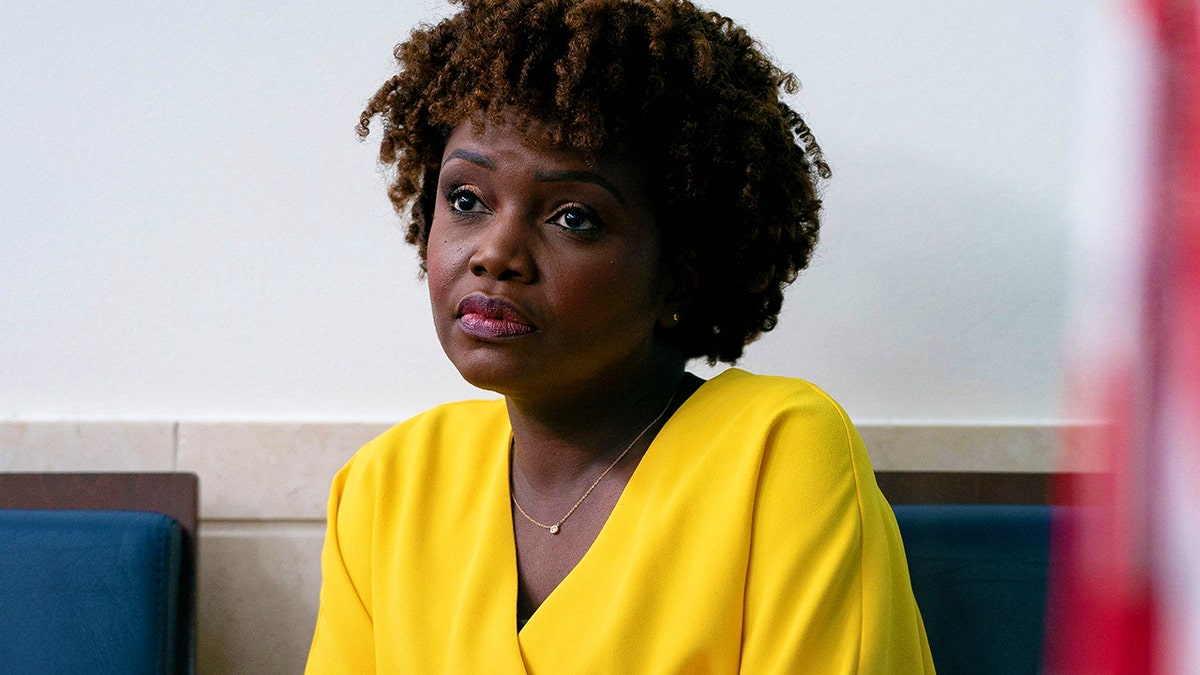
x: 675, y: 317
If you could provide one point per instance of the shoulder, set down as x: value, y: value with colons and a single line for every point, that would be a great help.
x: 416, y: 462
x: 444, y: 435
x: 451, y: 423
x: 773, y: 403
x: 735, y: 384
x: 810, y: 451
x: 827, y: 583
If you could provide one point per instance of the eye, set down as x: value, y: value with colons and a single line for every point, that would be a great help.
x: 464, y: 200
x: 576, y: 218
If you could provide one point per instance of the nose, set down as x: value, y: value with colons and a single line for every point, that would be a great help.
x: 503, y: 251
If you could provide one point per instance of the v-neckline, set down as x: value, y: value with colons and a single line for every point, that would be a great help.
x: 645, y: 466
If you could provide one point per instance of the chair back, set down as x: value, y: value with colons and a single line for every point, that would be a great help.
x: 97, y: 572
x: 979, y: 574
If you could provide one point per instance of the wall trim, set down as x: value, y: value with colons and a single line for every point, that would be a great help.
x: 280, y: 472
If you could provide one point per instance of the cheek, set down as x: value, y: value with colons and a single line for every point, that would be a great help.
x: 441, y: 259
x: 620, y: 286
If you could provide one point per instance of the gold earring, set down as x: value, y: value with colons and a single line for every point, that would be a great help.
x: 675, y: 317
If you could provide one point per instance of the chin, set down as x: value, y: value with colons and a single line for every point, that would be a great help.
x: 488, y: 371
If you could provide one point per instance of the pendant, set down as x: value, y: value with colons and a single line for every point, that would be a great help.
x: 553, y: 529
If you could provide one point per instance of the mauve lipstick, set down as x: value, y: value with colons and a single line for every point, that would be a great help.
x: 491, y: 318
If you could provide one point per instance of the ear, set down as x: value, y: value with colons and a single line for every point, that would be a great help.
x: 682, y: 280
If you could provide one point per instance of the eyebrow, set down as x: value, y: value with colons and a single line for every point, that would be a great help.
x: 549, y: 176
x: 472, y: 157
x: 581, y: 177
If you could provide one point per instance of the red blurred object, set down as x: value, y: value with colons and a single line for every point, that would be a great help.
x: 1125, y: 589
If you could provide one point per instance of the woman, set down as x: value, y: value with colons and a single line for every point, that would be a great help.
x: 601, y: 190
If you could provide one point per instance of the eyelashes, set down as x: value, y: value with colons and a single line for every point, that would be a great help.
x: 464, y: 200
x: 574, y: 217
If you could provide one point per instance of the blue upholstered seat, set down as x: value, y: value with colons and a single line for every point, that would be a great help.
x: 979, y: 574
x: 89, y: 592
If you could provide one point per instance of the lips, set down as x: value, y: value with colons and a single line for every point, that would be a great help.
x: 492, y: 318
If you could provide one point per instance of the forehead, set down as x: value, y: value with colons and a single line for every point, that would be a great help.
x: 547, y: 134
x: 511, y: 134
x: 516, y: 147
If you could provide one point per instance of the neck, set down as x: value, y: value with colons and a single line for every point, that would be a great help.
x: 564, y: 442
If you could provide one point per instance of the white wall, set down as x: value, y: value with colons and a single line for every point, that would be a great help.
x: 190, y: 230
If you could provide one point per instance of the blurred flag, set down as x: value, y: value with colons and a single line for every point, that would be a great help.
x: 1125, y: 578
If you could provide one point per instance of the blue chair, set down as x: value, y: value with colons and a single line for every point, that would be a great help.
x: 89, y: 591
x: 979, y: 573
x: 97, y: 573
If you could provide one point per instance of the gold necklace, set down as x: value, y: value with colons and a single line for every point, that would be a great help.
x: 557, y: 527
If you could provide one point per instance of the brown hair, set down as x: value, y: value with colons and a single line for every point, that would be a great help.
x: 689, y: 93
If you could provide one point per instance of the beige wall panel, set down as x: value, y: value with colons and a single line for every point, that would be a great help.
x: 257, y: 597
x: 1030, y: 448
x: 265, y: 471
x: 87, y: 446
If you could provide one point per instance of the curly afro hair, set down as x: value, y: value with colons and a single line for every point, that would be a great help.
x: 689, y: 94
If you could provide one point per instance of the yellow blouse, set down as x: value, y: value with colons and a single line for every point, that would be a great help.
x: 751, y: 538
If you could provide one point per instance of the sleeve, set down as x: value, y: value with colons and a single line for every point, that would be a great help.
x: 344, y: 640
x: 827, y: 587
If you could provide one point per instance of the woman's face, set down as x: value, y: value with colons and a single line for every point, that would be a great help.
x: 543, y: 267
